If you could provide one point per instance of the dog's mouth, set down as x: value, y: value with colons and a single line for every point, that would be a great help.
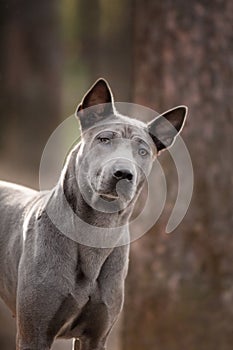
x: 123, y: 196
x: 110, y: 191
x: 105, y: 195
x: 109, y: 197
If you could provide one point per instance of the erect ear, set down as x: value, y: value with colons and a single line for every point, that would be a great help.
x: 99, y: 101
x: 165, y: 128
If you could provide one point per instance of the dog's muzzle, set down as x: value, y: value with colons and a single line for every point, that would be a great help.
x: 117, y: 180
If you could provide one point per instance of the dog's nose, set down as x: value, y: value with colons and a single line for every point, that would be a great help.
x: 123, y: 174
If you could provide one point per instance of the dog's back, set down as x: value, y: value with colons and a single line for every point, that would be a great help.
x: 14, y: 202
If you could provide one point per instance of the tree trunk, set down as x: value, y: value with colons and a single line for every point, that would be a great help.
x: 180, y: 286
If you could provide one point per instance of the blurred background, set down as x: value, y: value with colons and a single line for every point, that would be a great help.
x: 179, y: 291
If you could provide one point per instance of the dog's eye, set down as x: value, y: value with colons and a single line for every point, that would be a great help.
x: 143, y: 152
x: 105, y: 140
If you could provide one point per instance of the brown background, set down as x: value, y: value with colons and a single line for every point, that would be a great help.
x: 179, y: 291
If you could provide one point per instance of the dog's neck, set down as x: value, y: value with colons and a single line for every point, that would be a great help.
x: 70, y: 212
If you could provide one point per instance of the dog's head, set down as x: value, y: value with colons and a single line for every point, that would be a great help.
x: 117, y: 152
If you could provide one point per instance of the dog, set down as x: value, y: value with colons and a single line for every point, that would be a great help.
x: 62, y: 284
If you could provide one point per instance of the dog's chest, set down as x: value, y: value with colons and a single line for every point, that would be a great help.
x: 90, y: 262
x: 88, y: 294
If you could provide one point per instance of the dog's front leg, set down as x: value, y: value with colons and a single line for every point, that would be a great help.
x: 101, y: 317
x: 88, y: 345
x: 34, y: 330
x: 27, y: 342
x: 76, y: 344
x: 21, y: 346
x: 41, y: 312
x: 37, y: 344
x: 85, y: 345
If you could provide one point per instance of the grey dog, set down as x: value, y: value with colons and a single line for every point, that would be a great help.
x: 62, y: 284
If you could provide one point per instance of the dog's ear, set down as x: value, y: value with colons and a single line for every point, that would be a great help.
x: 165, y: 128
x: 100, y: 104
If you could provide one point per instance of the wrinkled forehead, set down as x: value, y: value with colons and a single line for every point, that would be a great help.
x: 126, y: 127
